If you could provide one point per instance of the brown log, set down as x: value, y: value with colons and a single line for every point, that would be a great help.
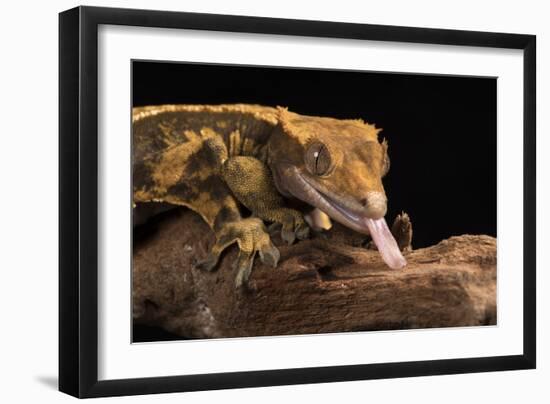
x: 326, y: 284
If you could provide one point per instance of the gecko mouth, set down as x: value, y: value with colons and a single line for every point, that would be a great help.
x: 306, y: 190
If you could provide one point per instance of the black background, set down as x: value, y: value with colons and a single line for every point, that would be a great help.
x: 441, y: 129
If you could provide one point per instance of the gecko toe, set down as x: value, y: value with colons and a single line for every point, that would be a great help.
x: 207, y: 264
x: 289, y: 236
x: 302, y: 231
x: 243, y: 266
x: 274, y: 228
x: 270, y: 255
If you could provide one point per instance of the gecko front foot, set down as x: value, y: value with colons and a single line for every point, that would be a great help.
x: 298, y: 231
x: 251, y: 236
x: 290, y: 223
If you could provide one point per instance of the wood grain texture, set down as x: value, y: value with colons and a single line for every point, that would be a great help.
x: 327, y: 284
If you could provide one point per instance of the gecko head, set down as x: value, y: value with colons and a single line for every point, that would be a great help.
x: 336, y: 166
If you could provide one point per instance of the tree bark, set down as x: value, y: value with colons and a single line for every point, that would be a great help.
x: 327, y: 284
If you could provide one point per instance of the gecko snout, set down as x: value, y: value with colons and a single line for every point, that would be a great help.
x: 375, y: 204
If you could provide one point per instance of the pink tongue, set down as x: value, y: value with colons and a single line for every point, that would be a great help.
x: 386, y: 244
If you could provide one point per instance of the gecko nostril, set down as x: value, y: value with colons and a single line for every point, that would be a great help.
x: 363, y: 202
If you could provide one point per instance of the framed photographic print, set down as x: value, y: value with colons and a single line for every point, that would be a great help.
x: 251, y: 201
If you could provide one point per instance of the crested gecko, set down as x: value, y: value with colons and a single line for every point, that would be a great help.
x: 211, y: 158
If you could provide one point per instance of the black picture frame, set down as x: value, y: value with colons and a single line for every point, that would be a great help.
x: 78, y: 201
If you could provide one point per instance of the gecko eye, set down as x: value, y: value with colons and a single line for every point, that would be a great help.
x: 318, y: 160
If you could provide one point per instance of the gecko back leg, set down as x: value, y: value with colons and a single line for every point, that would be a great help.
x: 189, y: 174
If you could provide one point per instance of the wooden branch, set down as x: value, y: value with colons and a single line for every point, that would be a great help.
x: 320, y: 286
